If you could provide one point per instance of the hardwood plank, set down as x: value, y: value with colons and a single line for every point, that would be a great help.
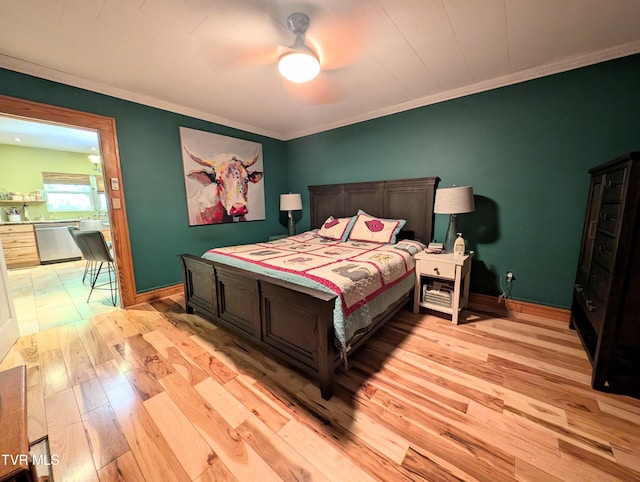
x: 150, y: 449
x: 108, y: 330
x: 528, y: 472
x: 47, y: 340
x: 535, y: 341
x: 123, y: 469
x: 67, y: 439
x: 285, y: 461
x: 26, y: 351
x: 443, y: 390
x: 627, y: 457
x: 375, y: 463
x: 230, y: 344
x: 260, y: 405
x: 94, y: 344
x: 192, y: 451
x: 620, y: 412
x: 147, y: 357
x: 54, y: 373
x: 174, y: 357
x: 357, y: 423
x: 144, y: 383
x: 216, y: 473
x: 324, y: 457
x: 79, y: 365
x: 106, y: 441
x: 601, y: 466
x: 240, y: 458
x: 492, y: 399
x: 427, y: 469
x: 223, y: 365
x: 435, y: 438
x: 232, y: 410
x: 120, y: 325
x: 36, y: 419
x: 89, y: 395
x: 110, y: 375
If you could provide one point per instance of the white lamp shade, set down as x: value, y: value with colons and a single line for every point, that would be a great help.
x: 290, y: 202
x: 454, y: 200
x: 299, y: 66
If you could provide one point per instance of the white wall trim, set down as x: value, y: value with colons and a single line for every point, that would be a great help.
x: 17, y: 65
x: 483, y: 86
x: 563, y: 65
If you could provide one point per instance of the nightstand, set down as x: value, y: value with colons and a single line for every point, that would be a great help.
x: 442, y: 283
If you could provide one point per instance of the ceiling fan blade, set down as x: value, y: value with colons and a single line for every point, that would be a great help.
x: 320, y: 90
x: 339, y: 38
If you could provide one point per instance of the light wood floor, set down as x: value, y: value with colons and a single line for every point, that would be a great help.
x: 151, y: 393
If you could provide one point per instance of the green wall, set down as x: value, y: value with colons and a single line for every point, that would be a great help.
x: 21, y: 171
x: 151, y: 160
x: 525, y: 149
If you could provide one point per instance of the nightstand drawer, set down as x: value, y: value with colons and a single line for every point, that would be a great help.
x: 429, y: 267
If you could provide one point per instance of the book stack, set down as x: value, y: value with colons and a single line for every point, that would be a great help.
x: 438, y: 293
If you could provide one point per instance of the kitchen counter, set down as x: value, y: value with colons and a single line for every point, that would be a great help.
x: 51, y: 221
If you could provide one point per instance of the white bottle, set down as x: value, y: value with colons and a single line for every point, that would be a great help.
x: 458, y: 246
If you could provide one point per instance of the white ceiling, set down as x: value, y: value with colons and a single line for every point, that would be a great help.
x: 215, y: 59
x: 20, y: 132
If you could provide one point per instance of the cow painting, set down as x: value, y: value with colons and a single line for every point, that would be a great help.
x: 218, y: 188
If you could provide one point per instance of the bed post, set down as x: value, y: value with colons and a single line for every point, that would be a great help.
x: 326, y: 354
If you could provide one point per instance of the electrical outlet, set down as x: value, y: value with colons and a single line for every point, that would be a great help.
x: 510, y: 276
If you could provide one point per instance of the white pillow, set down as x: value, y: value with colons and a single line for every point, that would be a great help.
x: 336, y: 228
x: 375, y: 230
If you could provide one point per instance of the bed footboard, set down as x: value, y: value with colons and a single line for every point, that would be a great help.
x: 294, y: 323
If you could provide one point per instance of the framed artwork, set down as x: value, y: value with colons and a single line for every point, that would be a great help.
x: 223, y: 178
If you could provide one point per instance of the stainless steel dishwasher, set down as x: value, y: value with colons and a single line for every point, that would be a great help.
x: 55, y: 243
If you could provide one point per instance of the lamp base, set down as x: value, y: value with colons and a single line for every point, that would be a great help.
x: 452, y: 233
x: 292, y: 227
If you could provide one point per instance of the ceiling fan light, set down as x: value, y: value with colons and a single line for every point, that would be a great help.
x: 299, y: 66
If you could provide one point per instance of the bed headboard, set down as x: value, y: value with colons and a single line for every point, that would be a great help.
x: 410, y: 199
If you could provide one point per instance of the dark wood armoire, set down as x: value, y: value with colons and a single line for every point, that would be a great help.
x: 606, y: 298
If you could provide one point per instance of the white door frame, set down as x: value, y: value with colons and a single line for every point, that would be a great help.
x: 9, y: 331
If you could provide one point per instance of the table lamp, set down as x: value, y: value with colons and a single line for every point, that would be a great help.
x: 290, y: 202
x: 453, y: 201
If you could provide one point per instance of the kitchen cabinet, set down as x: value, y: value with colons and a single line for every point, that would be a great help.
x: 19, y: 243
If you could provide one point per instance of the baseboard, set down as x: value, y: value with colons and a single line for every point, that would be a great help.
x: 477, y: 301
x: 491, y: 304
x: 159, y: 293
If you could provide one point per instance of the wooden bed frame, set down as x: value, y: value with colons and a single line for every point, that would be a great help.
x: 293, y: 322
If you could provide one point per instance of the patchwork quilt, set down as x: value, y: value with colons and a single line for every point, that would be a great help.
x: 356, y: 271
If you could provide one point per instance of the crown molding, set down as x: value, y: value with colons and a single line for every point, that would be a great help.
x: 563, y: 65
x: 35, y: 70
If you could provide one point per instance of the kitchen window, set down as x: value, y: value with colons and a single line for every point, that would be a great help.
x: 73, y: 192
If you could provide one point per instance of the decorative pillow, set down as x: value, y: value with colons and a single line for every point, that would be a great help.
x: 375, y: 230
x: 337, y: 229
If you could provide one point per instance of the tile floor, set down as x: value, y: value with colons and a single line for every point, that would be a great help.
x: 52, y: 295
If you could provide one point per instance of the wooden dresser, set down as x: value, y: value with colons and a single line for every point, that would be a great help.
x: 606, y: 299
x: 14, y: 444
x: 19, y: 245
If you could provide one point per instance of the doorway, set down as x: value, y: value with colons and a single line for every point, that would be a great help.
x: 105, y: 127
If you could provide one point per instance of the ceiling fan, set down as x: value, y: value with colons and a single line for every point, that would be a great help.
x: 325, y: 42
x: 300, y: 64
